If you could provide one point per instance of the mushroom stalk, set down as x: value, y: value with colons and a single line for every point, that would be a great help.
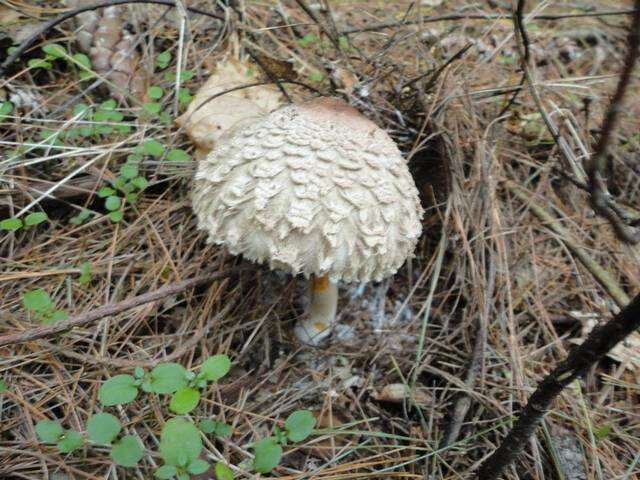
x: 319, y: 318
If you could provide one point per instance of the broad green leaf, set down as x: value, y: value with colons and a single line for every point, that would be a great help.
x: 155, y: 92
x: 127, y: 451
x: 168, y: 378
x: 112, y: 203
x: 183, y: 476
x: 165, y: 472
x: 103, y: 428
x: 105, y: 192
x: 49, y: 431
x: 108, y: 104
x: 118, y: 390
x: 223, y: 472
x: 153, y: 148
x: 5, y: 109
x: 70, y: 441
x: 131, y: 197
x: 267, y: 455
x: 139, y: 372
x: 55, y: 50
x: 82, y: 60
x: 184, y: 95
x: 180, y: 442
x: 35, y: 218
x: 152, y: 107
x: 11, y: 224
x: 116, y: 216
x: 39, y: 63
x: 163, y: 59
x: 85, y: 273
x: 37, y: 300
x: 3, y: 385
x: 57, y: 316
x: 299, y: 425
x: 219, y: 429
x: 184, y: 400
x: 197, y: 467
x: 140, y: 183
x: 215, y: 367
x: 80, y: 218
x: 178, y: 155
x: 129, y: 171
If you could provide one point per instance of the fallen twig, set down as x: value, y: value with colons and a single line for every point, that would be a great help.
x: 601, y: 201
x: 581, y: 358
x: 112, y: 309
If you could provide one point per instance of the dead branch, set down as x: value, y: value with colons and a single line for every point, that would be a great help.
x: 112, y: 309
x: 580, y: 360
x: 601, y: 200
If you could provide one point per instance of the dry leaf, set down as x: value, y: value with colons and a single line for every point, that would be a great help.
x: 207, y: 124
x: 399, y: 392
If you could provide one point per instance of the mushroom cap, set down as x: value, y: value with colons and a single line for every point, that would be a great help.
x: 313, y: 188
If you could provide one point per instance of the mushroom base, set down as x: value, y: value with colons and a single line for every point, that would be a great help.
x: 320, y: 317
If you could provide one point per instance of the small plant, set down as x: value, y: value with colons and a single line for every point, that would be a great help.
x: 268, y: 451
x: 126, y: 187
x: 54, y: 51
x: 39, y: 304
x: 14, y: 223
x: 181, y: 442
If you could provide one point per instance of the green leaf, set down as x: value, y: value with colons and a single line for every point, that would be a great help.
x: 166, y: 472
x: 307, y: 39
x: 180, y: 442
x: 178, y: 155
x: 11, y: 224
x: 299, y: 425
x: 163, y: 59
x: 116, y: 216
x: 49, y: 431
x: 54, y: 317
x: 103, y: 428
x: 215, y: 367
x: 82, y: 60
x: 168, y: 378
x: 118, y: 390
x: 85, y: 273
x: 81, y: 217
x: 183, y: 476
x: 134, y: 158
x: 197, y: 467
x: 219, y: 429
x: 39, y: 63
x: 118, y: 182
x: 37, y: 300
x: 602, y: 432
x: 139, y: 372
x: 223, y: 472
x: 55, y: 50
x: 108, y: 104
x: 140, y: 183
x: 153, y: 148
x: 127, y: 451
x: 131, y: 197
x: 152, y: 107
x: 35, y: 218
x: 5, y: 109
x: 112, y: 203
x: 267, y: 455
x: 184, y: 400
x: 70, y: 441
x: 155, y: 92
x: 3, y: 385
x: 129, y: 171
x: 105, y: 192
x: 316, y: 77
x: 184, y: 95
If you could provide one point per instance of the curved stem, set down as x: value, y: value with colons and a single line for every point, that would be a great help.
x: 319, y: 318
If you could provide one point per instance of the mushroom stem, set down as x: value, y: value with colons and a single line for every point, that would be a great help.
x: 319, y: 318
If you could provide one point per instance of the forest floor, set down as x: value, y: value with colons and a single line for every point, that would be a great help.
x: 427, y: 369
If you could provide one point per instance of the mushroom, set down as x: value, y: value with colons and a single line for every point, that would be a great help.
x: 313, y: 188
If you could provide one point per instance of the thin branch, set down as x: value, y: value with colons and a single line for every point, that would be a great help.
x: 112, y: 309
x: 581, y: 358
x: 601, y: 201
x: 72, y: 13
x: 481, y: 16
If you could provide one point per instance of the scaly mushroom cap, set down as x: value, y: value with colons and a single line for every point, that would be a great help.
x: 315, y: 188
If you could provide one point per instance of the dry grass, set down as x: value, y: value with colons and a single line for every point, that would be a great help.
x: 489, y: 275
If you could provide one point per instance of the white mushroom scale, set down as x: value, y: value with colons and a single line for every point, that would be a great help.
x: 313, y: 188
